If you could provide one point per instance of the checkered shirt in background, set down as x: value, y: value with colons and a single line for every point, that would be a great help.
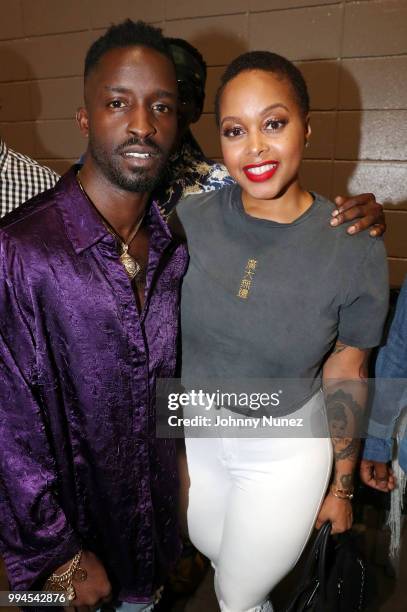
x: 21, y: 178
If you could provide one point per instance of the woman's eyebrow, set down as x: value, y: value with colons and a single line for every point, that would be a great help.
x: 272, y: 106
x: 229, y: 118
x: 263, y: 112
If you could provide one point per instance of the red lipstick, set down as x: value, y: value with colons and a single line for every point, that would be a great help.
x: 261, y: 172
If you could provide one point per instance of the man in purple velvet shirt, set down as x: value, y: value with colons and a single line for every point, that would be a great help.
x: 88, y: 321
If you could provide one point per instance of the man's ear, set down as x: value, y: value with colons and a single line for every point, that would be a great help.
x: 82, y: 120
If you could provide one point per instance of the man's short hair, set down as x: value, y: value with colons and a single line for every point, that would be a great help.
x: 128, y: 33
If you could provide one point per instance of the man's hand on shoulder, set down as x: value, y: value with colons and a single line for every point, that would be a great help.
x: 364, y: 208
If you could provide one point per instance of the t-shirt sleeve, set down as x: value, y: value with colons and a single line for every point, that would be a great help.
x: 192, y: 213
x: 364, y: 308
x: 187, y: 206
x: 181, y: 220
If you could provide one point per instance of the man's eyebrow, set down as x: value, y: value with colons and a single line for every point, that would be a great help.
x: 163, y: 93
x: 117, y: 89
x: 160, y: 93
x: 263, y: 112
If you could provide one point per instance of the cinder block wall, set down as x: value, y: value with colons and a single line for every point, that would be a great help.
x: 353, y: 54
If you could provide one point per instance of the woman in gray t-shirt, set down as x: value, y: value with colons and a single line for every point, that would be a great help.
x: 272, y: 293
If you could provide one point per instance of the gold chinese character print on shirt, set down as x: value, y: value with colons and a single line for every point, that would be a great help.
x: 246, y: 282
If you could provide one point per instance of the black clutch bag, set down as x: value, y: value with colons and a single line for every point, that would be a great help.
x: 334, y: 578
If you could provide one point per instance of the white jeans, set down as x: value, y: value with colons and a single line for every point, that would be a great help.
x: 252, y: 507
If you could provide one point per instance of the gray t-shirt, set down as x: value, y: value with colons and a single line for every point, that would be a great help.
x: 263, y: 299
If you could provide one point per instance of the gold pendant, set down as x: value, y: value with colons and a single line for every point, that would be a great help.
x: 80, y: 574
x: 130, y: 265
x: 70, y: 592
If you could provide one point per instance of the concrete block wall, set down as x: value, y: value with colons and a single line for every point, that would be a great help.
x: 353, y: 55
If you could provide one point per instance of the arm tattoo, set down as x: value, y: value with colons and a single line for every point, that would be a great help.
x: 344, y: 413
x: 346, y: 481
x: 345, y: 448
x: 345, y: 401
x: 344, y: 417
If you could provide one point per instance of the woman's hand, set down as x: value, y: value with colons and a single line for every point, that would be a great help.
x: 337, y: 511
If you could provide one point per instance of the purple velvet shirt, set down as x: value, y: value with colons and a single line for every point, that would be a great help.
x: 80, y: 466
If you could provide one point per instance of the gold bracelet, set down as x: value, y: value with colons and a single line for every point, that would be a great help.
x: 341, y: 493
x: 63, y: 582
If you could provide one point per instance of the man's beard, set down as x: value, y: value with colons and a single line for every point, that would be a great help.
x: 137, y: 180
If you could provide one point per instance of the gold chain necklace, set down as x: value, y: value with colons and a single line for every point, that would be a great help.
x: 129, y: 263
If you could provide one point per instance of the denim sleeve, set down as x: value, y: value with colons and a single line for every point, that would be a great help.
x: 378, y: 449
x: 392, y: 358
x: 391, y: 372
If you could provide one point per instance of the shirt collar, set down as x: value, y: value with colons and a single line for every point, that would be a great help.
x: 3, y: 156
x: 83, y: 224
